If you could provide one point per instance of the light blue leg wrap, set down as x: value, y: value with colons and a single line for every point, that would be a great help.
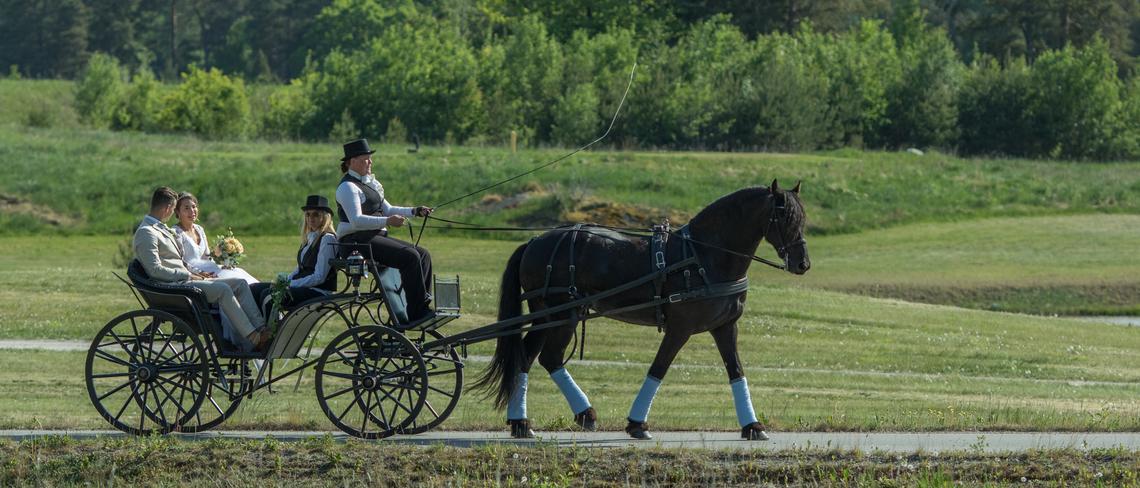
x: 516, y: 408
x: 574, y: 396
x: 640, y: 409
x: 743, y: 401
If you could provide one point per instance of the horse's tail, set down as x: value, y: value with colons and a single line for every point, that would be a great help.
x: 507, y: 362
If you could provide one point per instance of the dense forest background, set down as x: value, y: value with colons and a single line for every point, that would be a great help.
x: 1045, y: 78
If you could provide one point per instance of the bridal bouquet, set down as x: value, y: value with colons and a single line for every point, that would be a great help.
x: 228, y: 251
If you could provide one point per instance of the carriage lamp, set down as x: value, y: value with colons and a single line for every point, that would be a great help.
x: 355, y: 268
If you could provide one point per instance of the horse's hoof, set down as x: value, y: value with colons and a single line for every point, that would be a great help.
x: 520, y: 429
x: 638, y: 430
x: 587, y: 419
x: 753, y: 432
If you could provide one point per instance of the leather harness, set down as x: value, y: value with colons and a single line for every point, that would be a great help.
x: 659, y: 275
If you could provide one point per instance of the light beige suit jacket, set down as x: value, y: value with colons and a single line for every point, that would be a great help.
x: 156, y: 248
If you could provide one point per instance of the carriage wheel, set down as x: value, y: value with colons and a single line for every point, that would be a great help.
x: 146, y: 372
x: 445, y: 383
x: 371, y: 381
x: 223, y: 395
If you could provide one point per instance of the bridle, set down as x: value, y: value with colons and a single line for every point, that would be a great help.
x: 777, y: 216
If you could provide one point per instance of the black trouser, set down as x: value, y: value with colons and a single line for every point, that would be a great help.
x: 296, y: 295
x: 413, y: 262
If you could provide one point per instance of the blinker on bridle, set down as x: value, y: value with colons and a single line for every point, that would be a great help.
x: 779, y: 213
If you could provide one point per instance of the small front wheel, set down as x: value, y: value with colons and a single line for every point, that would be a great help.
x: 445, y: 369
x: 147, y: 372
x: 371, y: 381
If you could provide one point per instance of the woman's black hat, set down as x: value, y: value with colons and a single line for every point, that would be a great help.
x: 317, y: 202
x: 356, y: 148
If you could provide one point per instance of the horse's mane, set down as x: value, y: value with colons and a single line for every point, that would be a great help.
x: 730, y: 205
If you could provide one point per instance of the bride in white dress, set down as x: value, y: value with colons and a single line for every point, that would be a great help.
x: 195, y: 245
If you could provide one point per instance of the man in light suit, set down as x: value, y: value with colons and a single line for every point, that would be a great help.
x: 159, y: 251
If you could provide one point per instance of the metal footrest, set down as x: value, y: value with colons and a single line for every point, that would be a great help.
x: 432, y: 323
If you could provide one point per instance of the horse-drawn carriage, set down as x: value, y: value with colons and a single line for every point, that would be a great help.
x: 168, y: 367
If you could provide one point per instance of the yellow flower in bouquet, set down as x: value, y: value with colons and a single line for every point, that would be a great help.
x: 228, y: 251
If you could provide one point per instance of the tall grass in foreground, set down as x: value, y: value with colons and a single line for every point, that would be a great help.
x: 323, y: 462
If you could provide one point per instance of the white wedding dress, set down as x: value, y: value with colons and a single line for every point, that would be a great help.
x: 197, y: 255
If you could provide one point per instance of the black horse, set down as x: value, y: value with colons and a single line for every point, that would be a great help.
x: 574, y: 262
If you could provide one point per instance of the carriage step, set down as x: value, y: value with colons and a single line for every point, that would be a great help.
x: 431, y: 322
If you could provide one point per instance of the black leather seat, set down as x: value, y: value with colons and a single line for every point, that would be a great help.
x: 182, y: 301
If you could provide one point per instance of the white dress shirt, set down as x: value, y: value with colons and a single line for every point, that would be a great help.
x: 350, y: 197
x: 326, y: 252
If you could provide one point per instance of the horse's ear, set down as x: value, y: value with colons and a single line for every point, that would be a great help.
x: 796, y: 189
x: 774, y: 186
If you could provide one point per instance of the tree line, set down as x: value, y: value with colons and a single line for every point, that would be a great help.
x: 1049, y: 78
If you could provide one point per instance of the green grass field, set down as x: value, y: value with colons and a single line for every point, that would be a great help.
x: 816, y: 358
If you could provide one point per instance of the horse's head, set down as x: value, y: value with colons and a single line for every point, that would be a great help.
x: 785, y: 228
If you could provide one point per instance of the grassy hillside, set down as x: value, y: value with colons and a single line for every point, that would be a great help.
x: 38, y: 103
x: 97, y: 182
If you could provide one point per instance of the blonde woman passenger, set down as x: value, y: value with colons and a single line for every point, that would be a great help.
x: 196, y: 247
x: 313, y: 277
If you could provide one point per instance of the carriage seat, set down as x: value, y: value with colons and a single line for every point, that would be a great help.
x: 182, y: 301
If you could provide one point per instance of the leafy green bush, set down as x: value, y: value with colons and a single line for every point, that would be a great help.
x: 603, y: 60
x: 288, y: 110
x: 140, y: 104
x: 520, y: 80
x: 787, y: 97
x: 860, y: 66
x: 99, y: 91
x: 576, y: 118
x: 207, y: 103
x: 923, y: 107
x: 993, y: 109
x: 1075, y: 103
x: 418, y: 71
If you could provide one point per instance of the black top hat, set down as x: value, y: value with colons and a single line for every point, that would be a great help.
x: 317, y: 202
x: 356, y: 148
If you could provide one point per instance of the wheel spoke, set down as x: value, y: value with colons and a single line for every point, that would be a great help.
x: 122, y: 344
x: 367, y: 410
x: 339, y: 393
x: 112, y: 392
x: 108, y: 357
x: 170, y: 399
x: 346, y: 376
x: 109, y: 375
x: 345, y: 412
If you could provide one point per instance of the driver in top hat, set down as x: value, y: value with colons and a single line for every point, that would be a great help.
x: 364, y: 216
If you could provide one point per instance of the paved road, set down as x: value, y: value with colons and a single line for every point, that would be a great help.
x: 866, y: 442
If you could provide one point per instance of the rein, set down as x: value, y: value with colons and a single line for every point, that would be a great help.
x: 637, y: 232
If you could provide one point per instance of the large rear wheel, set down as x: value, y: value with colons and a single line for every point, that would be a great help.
x: 146, y: 372
x: 223, y: 395
x: 371, y: 381
x: 445, y: 383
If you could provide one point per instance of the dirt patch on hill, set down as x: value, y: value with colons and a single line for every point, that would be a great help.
x: 12, y: 205
x: 543, y: 208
